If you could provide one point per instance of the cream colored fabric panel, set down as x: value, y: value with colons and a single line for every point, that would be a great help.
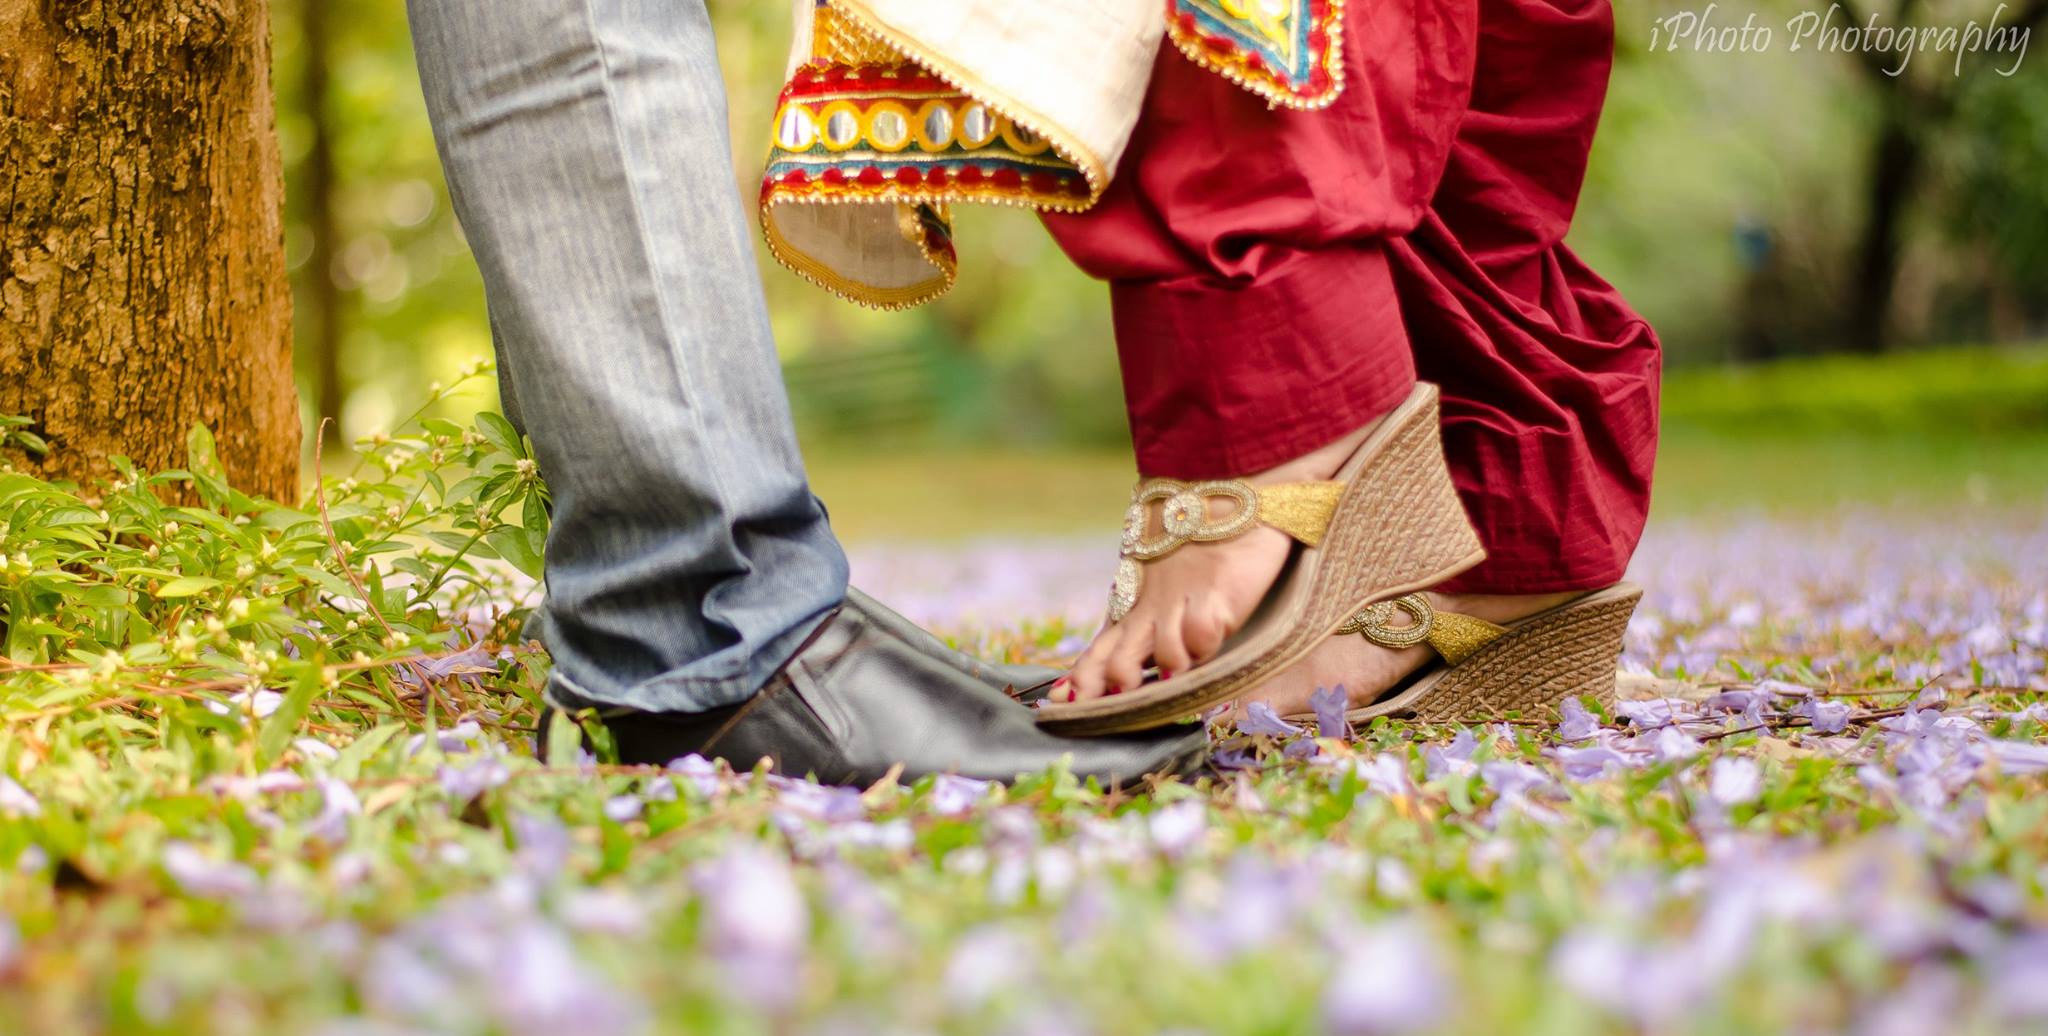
x: 802, y: 13
x: 1068, y: 68
x: 865, y: 241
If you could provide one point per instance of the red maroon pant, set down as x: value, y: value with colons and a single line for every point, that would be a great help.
x: 1280, y: 278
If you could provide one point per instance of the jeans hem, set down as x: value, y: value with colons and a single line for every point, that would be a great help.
x: 679, y: 690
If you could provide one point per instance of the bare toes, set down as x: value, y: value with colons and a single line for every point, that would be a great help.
x: 1203, y: 628
x: 1086, y: 681
x: 1125, y: 668
x: 1169, y: 642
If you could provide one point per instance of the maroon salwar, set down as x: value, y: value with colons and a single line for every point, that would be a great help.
x: 1279, y: 278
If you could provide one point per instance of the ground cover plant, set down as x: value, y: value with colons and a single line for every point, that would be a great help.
x: 271, y: 769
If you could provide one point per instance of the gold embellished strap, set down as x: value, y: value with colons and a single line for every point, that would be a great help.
x: 1300, y: 509
x: 1455, y: 637
x: 1458, y: 637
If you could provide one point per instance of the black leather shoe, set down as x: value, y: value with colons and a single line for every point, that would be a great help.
x: 1025, y: 683
x: 861, y: 697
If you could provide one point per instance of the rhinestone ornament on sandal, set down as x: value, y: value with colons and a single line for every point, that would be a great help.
x: 1299, y: 509
x: 1454, y: 636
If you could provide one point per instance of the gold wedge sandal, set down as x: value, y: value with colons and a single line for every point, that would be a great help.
x: 1487, y: 671
x: 1390, y: 523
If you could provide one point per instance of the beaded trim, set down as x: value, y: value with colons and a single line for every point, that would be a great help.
x: 1453, y: 636
x: 1290, y: 52
x: 894, y: 133
x: 1300, y: 509
x: 864, y: 123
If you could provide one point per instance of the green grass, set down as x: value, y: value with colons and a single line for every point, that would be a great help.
x: 251, y: 785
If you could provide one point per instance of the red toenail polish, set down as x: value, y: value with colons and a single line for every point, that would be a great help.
x: 1061, y: 682
x: 1166, y: 674
x: 1114, y: 689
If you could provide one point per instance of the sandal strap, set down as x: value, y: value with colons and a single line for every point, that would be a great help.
x: 1302, y: 510
x: 1454, y: 636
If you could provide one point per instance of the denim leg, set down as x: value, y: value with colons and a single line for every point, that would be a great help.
x: 586, y: 151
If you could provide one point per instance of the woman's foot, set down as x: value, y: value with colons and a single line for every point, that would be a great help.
x: 1196, y: 597
x: 1368, y: 671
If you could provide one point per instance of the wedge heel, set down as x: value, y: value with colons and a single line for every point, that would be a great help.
x: 1530, y: 669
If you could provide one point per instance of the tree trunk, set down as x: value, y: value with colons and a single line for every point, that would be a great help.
x: 318, y: 184
x: 142, y: 281
x: 1895, y: 164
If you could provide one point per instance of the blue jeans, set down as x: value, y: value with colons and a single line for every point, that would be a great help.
x: 586, y: 151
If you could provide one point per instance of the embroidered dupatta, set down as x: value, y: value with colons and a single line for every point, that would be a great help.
x: 897, y: 109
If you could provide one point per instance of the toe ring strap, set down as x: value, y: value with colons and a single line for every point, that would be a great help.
x: 1302, y: 510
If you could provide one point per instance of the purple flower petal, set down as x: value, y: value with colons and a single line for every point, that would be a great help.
x: 1578, y: 723
x: 1592, y: 761
x: 202, y: 876
x: 458, y: 738
x: 1733, y: 780
x: 1826, y: 717
x: 1455, y: 757
x: 1234, y: 757
x: 1330, y: 704
x: 1259, y: 720
x: 1654, y: 712
x: 338, y: 803
x: 1510, y: 777
x: 543, y: 842
x: 952, y: 796
x: 1674, y: 745
x: 2018, y: 756
x: 1388, y: 980
x: 701, y: 773
x: 1385, y: 773
x: 756, y: 921
x: 817, y: 801
x: 1178, y: 827
x: 15, y: 799
x: 463, y: 783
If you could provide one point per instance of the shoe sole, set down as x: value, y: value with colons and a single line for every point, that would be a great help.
x: 1572, y: 650
x: 1399, y: 527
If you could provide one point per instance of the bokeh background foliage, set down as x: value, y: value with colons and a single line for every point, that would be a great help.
x: 1732, y: 196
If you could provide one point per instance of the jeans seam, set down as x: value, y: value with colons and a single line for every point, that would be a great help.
x: 683, y: 371
x: 678, y: 364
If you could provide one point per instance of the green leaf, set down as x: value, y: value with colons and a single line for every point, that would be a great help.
x: 103, y: 596
x: 186, y: 586
x: 350, y: 765
x: 519, y: 547
x: 279, y: 727
x: 500, y: 433
x: 565, y: 739
x: 204, y: 462
x: 536, y: 516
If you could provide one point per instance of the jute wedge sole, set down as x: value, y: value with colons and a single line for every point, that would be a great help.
x: 1571, y: 650
x: 1396, y: 527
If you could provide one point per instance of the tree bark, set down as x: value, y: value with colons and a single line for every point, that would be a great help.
x: 1895, y: 164
x: 318, y: 185
x: 142, y: 280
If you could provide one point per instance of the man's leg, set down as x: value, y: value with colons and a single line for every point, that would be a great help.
x: 586, y: 149
x: 691, y: 574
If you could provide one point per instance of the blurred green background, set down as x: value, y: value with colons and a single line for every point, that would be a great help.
x: 1845, y: 266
